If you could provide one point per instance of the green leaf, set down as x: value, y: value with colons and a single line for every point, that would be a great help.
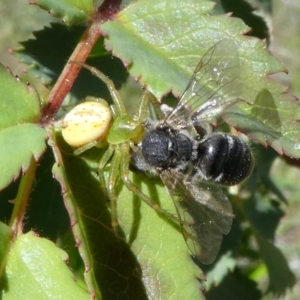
x: 251, y: 12
x: 262, y: 178
x: 235, y: 286
x: 224, y: 265
x: 164, y: 52
x: 49, y: 51
x: 5, y: 238
x: 19, y: 103
x: 40, y: 215
x: 32, y: 271
x: 17, y: 145
x: 158, y: 244
x: 20, y: 138
x: 150, y: 260
x: 84, y: 228
x: 160, y: 45
x: 264, y: 124
x: 162, y: 48
x: 264, y: 216
x: 70, y: 11
x: 281, y: 278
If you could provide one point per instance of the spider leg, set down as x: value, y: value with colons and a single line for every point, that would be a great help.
x: 135, y: 190
x: 84, y: 148
x: 113, y: 176
x: 110, y: 85
x: 143, y: 108
x: 104, y: 160
x: 156, y: 106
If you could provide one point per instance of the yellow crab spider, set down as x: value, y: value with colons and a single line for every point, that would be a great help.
x: 86, y: 124
x: 124, y: 133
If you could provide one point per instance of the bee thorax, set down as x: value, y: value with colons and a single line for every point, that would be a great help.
x: 163, y: 148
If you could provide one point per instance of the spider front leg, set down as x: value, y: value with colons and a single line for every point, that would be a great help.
x: 110, y: 85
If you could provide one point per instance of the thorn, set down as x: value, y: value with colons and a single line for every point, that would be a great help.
x: 77, y: 244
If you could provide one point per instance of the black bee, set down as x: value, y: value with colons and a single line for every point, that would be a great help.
x: 192, y: 160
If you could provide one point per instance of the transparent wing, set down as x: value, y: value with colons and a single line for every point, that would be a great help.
x: 214, y: 85
x: 204, y: 211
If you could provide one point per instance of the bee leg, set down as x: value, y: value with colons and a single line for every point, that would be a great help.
x: 135, y: 190
x: 202, y: 128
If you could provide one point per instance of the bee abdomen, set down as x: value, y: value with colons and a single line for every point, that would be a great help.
x: 224, y: 159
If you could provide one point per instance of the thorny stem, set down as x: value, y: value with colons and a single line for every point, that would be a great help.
x: 22, y: 199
